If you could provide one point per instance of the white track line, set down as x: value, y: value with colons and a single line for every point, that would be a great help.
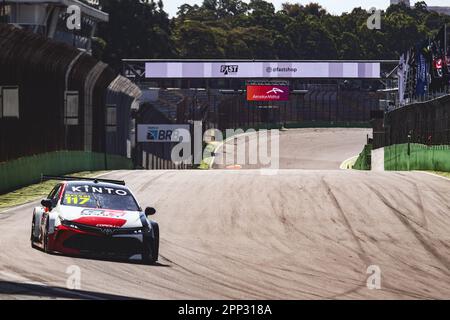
x: 432, y: 174
x: 342, y: 166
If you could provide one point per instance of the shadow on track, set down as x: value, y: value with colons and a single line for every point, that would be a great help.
x: 111, y: 259
x: 42, y: 291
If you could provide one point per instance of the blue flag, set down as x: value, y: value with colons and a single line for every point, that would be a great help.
x: 422, y: 72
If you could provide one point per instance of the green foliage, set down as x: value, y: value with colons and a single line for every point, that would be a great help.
x: 136, y: 29
x: 364, y: 159
x: 98, y: 48
x: 193, y: 35
x: 234, y: 29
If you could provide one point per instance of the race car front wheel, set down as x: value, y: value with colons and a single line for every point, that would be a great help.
x: 46, y: 236
x: 151, y: 247
x: 32, y: 237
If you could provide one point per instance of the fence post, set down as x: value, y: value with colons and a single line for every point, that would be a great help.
x: 144, y: 159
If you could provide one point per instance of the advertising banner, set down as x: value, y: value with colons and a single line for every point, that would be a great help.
x: 402, y: 73
x: 267, y: 93
x: 163, y: 133
x: 266, y: 69
x: 422, y: 73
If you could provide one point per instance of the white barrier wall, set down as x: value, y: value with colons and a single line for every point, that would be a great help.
x: 377, y: 158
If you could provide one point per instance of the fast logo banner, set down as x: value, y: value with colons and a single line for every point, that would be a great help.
x: 261, y: 69
x: 267, y: 93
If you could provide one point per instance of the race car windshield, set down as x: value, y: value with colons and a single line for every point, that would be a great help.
x: 98, y: 197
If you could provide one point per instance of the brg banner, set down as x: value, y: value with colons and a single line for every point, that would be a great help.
x: 163, y: 133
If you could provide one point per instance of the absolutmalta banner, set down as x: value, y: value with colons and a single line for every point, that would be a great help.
x: 267, y: 93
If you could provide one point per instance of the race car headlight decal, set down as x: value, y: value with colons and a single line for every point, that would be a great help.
x: 69, y: 224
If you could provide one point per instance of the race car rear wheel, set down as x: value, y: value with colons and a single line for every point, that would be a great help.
x: 155, y: 241
x: 151, y: 247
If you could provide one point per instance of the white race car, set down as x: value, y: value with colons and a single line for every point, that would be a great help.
x: 100, y: 217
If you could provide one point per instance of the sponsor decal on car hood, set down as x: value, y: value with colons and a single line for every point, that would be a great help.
x: 103, y: 218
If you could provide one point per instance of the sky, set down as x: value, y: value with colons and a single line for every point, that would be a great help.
x: 333, y: 6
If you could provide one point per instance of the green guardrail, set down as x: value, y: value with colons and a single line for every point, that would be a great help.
x: 364, y: 161
x: 27, y: 170
x: 401, y: 157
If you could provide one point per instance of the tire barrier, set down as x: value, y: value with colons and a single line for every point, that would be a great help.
x: 153, y: 162
x: 403, y: 157
x: 27, y: 170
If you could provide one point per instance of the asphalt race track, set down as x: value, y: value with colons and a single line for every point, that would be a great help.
x: 296, y: 234
x: 298, y: 149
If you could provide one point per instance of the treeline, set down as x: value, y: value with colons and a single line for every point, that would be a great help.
x: 233, y: 29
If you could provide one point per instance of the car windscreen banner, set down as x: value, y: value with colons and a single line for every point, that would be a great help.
x: 163, y: 133
x: 267, y: 93
x: 88, y: 189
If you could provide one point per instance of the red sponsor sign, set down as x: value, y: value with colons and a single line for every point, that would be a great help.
x: 267, y: 93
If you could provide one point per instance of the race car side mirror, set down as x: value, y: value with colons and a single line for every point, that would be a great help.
x: 47, y: 203
x: 149, y: 211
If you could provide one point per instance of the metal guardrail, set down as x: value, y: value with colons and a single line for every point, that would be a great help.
x: 424, y: 98
x: 425, y: 122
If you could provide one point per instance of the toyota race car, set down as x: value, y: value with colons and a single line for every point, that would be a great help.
x: 83, y: 216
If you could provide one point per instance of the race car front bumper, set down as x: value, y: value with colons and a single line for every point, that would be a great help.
x: 87, y: 240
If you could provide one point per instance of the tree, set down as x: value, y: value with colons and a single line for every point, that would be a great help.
x: 137, y: 29
x: 195, y: 40
x: 401, y: 33
x: 315, y: 9
x: 311, y: 40
x: 237, y: 29
x: 349, y: 47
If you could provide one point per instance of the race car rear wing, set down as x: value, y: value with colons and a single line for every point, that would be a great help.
x: 70, y: 178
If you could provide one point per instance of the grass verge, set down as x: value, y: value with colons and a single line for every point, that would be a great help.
x: 36, y: 191
x: 363, y: 162
x: 440, y: 173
